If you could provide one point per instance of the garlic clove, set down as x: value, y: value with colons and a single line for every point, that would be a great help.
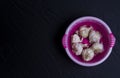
x: 84, y: 31
x: 97, y: 47
x: 77, y: 48
x: 94, y: 36
x: 87, y: 54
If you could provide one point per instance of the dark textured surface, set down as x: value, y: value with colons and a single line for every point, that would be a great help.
x: 31, y: 32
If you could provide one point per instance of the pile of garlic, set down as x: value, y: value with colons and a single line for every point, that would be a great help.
x: 86, y: 51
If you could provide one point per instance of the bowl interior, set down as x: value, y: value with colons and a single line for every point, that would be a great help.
x: 97, y: 26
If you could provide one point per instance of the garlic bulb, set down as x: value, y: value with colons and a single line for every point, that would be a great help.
x: 77, y: 48
x: 94, y: 36
x: 84, y: 31
x: 87, y: 54
x: 75, y: 39
x: 97, y: 47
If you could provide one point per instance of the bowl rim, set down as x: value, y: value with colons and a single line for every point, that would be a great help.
x: 67, y: 50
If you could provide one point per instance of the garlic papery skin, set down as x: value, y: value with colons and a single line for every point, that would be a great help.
x: 87, y: 54
x: 84, y: 31
x: 75, y: 39
x: 77, y: 48
x: 94, y: 36
x: 97, y: 47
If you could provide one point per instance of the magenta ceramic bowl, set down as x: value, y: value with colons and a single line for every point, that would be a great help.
x: 108, y: 40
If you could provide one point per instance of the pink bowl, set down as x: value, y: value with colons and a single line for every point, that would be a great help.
x: 108, y: 40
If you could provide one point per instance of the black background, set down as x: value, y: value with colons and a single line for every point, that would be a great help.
x: 31, y: 33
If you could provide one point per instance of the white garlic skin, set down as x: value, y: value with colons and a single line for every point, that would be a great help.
x: 77, y: 32
x: 77, y: 48
x: 94, y: 36
x: 75, y: 39
x: 97, y: 47
x: 87, y: 54
x: 84, y: 31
